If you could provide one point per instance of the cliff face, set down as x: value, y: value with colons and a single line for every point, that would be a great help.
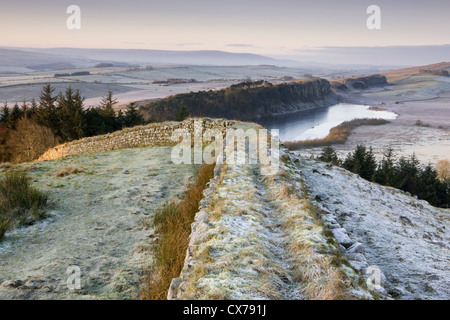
x: 246, y: 101
x: 365, y: 82
x: 296, y: 97
x: 306, y: 91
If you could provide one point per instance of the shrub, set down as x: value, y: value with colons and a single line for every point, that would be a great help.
x: 20, y: 202
x: 30, y: 140
x: 337, y: 135
x: 63, y: 172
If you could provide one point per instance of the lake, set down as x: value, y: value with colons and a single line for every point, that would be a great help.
x: 316, y: 124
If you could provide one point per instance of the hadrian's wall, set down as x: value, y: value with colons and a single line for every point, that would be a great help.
x: 155, y: 134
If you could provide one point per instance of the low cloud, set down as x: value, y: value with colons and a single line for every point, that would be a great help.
x: 239, y: 45
x: 382, y: 55
x: 189, y: 44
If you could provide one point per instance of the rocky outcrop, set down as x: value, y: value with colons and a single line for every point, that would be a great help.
x: 247, y: 101
x: 298, y: 97
x: 439, y: 72
x: 361, y: 83
x: 336, y: 85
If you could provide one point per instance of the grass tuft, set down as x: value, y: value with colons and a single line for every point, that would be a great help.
x: 173, y: 224
x: 63, y: 172
x: 20, y: 202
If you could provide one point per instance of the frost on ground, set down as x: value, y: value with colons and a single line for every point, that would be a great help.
x: 258, y: 237
x: 312, y: 231
x: 407, y: 238
x: 95, y: 223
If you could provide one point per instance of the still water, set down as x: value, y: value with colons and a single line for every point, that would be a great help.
x: 316, y: 124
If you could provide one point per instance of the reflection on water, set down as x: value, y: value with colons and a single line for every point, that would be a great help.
x: 316, y: 124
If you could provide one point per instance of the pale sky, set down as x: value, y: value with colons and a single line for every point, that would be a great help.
x: 256, y: 26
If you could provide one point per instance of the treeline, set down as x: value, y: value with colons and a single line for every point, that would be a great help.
x: 406, y: 174
x: 245, y: 101
x: 28, y: 130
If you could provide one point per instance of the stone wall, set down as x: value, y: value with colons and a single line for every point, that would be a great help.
x: 155, y: 134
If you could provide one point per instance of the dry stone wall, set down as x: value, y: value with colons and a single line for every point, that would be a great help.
x: 155, y: 134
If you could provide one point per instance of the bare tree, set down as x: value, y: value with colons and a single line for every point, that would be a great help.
x: 30, y: 140
x: 443, y: 169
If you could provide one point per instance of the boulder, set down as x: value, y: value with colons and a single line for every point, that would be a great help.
x: 358, y: 265
x: 357, y: 248
x: 174, y: 291
x: 12, y: 283
x: 321, y: 197
x: 342, y: 238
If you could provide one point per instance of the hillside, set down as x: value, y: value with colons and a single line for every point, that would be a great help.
x: 248, y: 101
x: 407, y: 238
x: 95, y: 223
x: 264, y: 242
x: 401, y: 74
x: 311, y: 231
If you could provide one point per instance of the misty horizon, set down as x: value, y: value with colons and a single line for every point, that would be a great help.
x: 322, y: 32
x: 364, y: 56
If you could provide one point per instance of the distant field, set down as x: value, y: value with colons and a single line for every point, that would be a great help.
x: 131, y: 84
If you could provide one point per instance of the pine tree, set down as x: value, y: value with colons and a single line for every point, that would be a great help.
x: 107, y: 103
x: 369, y: 165
x: 362, y: 162
x: 25, y: 109
x: 429, y: 185
x: 5, y: 113
x: 385, y: 173
x: 46, y: 113
x: 132, y: 116
x: 96, y: 124
x: 79, y: 124
x: 14, y: 117
x: 348, y: 162
x: 355, y: 161
x: 33, y: 108
x: 447, y: 198
x: 329, y: 155
x: 407, y: 174
x: 70, y: 115
x: 120, y: 120
x: 108, y: 113
x: 182, y: 114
